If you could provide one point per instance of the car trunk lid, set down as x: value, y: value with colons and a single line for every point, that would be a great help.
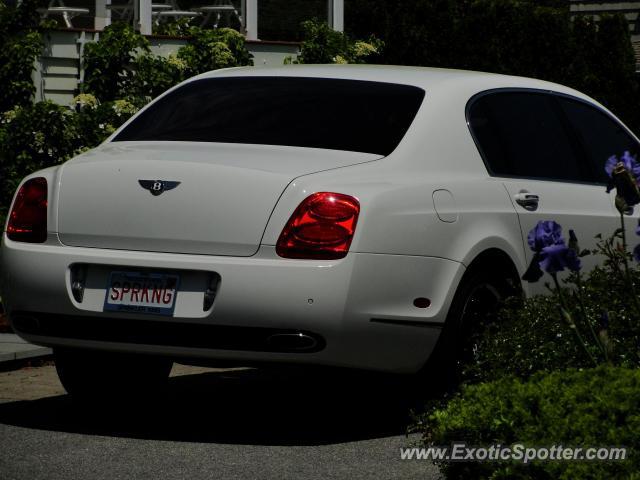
x: 221, y: 205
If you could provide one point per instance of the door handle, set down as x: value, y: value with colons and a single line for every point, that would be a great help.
x: 528, y: 201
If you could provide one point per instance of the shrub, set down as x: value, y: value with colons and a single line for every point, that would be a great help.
x: 120, y: 66
x: 213, y: 49
x: 21, y: 44
x: 109, y: 62
x: 322, y: 44
x: 531, y: 335
x: 613, y: 82
x: 45, y: 134
x: 96, y: 121
x: 174, y: 28
x: 32, y: 138
x: 527, y: 336
x: 152, y: 76
x: 590, y: 408
x: 517, y: 37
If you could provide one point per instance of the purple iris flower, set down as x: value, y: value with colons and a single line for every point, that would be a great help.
x: 629, y: 161
x: 624, y: 175
x: 555, y: 258
x: 544, y: 234
x: 551, y: 252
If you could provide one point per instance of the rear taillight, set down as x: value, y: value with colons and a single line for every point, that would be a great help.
x: 322, y: 227
x: 28, y: 217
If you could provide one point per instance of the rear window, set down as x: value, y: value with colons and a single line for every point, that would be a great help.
x: 600, y: 134
x: 520, y: 134
x: 352, y: 115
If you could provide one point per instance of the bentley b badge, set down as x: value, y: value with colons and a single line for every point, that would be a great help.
x: 156, y: 187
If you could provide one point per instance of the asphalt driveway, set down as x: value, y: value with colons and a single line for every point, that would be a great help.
x: 244, y: 424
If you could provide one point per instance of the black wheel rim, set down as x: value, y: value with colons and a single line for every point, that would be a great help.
x: 482, y: 301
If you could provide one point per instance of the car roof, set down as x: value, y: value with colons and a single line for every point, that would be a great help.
x: 432, y: 80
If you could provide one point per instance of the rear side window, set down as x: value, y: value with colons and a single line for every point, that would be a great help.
x: 522, y: 134
x: 361, y: 116
x: 601, y: 135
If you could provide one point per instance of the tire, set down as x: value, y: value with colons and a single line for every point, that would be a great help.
x: 477, y: 299
x: 93, y: 375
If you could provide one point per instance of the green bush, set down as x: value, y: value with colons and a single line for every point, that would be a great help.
x: 21, y: 44
x: 527, y: 336
x: 96, y: 121
x: 152, y: 76
x: 614, y: 82
x: 590, y: 408
x: 213, y: 49
x: 120, y: 66
x: 109, y: 62
x: 175, y: 28
x: 322, y: 44
x: 531, y: 335
x: 32, y: 138
x: 46, y: 134
x: 516, y: 37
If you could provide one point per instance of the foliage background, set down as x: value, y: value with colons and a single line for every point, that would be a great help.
x: 21, y: 42
x: 590, y: 408
x: 534, y: 38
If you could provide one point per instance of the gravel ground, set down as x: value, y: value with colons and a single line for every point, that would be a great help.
x: 228, y: 424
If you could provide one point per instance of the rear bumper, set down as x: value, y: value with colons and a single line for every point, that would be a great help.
x: 358, y: 310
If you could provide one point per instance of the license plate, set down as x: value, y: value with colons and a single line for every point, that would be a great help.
x: 139, y: 292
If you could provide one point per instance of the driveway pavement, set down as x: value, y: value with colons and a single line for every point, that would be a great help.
x: 13, y: 348
x: 213, y: 424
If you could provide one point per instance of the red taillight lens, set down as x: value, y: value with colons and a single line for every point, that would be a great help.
x: 28, y: 218
x: 322, y: 227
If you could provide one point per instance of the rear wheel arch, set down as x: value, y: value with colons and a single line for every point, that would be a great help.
x: 490, y: 278
x: 497, y: 263
x: 492, y: 270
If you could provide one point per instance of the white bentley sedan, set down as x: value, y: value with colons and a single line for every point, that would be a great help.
x: 320, y: 215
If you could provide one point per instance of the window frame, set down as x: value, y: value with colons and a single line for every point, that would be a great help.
x: 573, y: 134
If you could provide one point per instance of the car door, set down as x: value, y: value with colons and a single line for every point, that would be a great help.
x: 527, y: 143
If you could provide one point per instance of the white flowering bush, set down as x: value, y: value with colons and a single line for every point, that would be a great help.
x: 45, y: 134
x: 31, y: 138
x: 322, y: 44
x: 120, y: 65
x: 84, y: 101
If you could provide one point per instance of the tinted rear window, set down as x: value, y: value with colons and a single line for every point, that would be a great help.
x: 600, y: 134
x: 521, y: 134
x: 360, y: 116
